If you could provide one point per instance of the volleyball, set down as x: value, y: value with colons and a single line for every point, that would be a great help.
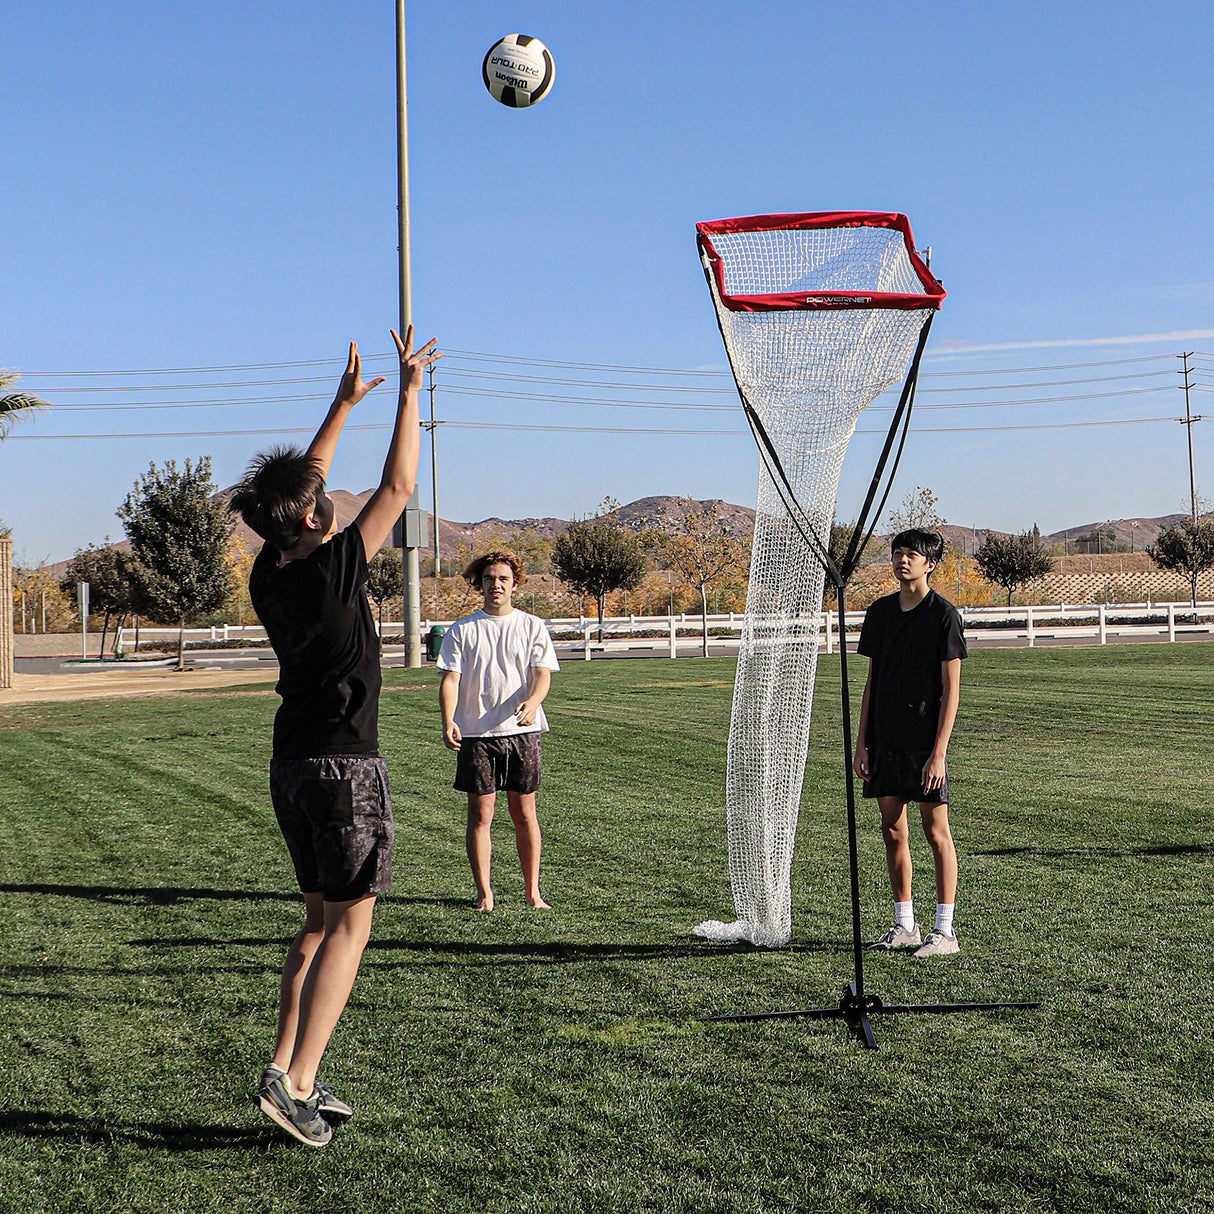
x: 519, y: 71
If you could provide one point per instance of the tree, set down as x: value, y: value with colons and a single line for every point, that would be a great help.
x: 108, y: 576
x: 1013, y: 560
x: 1100, y: 539
x: 697, y: 543
x: 596, y: 556
x: 15, y: 404
x: 920, y: 508
x: 1186, y: 548
x: 385, y: 580
x: 179, y: 543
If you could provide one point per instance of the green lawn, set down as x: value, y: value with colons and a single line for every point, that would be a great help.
x: 531, y: 1061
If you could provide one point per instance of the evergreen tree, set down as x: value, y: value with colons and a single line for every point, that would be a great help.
x: 179, y: 543
x: 385, y: 580
x: 108, y: 575
x: 596, y: 556
x: 1186, y: 548
x: 1013, y: 560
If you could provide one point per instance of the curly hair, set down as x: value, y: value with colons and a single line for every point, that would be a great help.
x: 280, y: 486
x: 503, y: 556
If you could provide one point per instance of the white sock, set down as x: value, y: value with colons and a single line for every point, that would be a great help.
x: 904, y: 915
x: 944, y: 917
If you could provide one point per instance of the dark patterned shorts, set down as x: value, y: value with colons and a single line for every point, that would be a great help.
x: 899, y: 773
x: 505, y: 763
x: 336, y: 815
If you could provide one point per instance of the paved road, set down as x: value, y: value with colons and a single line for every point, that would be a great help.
x: 262, y: 660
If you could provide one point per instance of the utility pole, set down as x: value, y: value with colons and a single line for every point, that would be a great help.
x: 409, y: 563
x: 1189, y: 421
x: 430, y: 425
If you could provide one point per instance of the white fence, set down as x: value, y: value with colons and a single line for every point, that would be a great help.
x: 684, y: 632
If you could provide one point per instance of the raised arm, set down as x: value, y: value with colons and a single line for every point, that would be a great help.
x: 388, y: 502
x: 349, y: 392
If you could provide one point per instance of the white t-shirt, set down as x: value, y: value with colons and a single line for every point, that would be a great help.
x: 493, y: 656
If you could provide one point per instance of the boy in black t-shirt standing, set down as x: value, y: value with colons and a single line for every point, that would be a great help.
x: 327, y: 782
x: 914, y: 642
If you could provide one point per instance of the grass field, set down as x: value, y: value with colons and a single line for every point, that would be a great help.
x: 531, y: 1061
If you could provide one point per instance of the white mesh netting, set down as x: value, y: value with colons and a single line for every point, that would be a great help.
x: 808, y: 375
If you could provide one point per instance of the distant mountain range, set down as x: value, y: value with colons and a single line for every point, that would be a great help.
x: 646, y: 512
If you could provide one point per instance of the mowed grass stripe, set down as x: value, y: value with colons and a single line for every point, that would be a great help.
x: 528, y: 1062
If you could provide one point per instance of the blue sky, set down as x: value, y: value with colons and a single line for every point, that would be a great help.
x: 213, y: 191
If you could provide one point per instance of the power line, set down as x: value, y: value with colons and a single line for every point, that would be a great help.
x: 522, y: 426
x: 550, y: 398
x: 480, y: 356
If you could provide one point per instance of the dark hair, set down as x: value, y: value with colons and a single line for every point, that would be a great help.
x: 476, y: 569
x: 280, y: 486
x: 927, y: 543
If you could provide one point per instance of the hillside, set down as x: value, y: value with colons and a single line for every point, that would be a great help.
x: 645, y: 512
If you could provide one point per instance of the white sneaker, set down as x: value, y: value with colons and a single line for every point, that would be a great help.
x: 897, y: 937
x: 938, y: 944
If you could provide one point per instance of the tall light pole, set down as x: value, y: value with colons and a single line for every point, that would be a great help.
x: 412, y: 577
x: 431, y: 425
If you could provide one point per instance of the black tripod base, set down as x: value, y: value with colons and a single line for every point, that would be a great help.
x: 855, y: 1011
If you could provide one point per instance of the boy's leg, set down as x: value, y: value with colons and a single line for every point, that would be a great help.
x: 294, y: 971
x: 896, y: 833
x: 478, y: 841
x: 529, y: 842
x: 326, y: 988
x: 940, y: 837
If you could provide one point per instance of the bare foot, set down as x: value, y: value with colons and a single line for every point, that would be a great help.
x: 484, y: 902
x: 538, y: 903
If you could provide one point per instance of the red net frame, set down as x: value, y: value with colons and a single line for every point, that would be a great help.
x: 902, y: 267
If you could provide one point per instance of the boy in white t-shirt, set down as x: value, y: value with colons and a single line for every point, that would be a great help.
x: 497, y: 666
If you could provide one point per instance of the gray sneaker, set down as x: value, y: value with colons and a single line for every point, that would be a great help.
x: 896, y: 937
x: 331, y: 1105
x: 300, y: 1118
x: 938, y: 944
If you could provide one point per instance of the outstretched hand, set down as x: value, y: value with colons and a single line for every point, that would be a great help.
x: 412, y: 365
x: 352, y: 389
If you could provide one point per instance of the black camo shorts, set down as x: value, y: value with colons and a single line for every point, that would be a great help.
x: 498, y: 763
x: 335, y: 814
x: 899, y: 773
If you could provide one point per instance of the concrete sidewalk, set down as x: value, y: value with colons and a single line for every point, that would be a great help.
x: 125, y: 682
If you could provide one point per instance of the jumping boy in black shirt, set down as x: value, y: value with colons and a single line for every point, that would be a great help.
x: 915, y: 644
x: 327, y: 782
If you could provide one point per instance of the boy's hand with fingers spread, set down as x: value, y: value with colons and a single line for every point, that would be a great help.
x: 352, y: 389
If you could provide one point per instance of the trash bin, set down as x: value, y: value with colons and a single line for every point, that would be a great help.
x: 434, y: 640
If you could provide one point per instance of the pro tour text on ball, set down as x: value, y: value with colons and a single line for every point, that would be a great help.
x: 514, y: 65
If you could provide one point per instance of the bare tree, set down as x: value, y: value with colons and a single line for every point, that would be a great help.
x: 920, y: 508
x: 701, y: 546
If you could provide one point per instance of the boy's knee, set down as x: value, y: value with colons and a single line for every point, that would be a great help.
x: 522, y: 810
x: 480, y: 811
x: 938, y: 835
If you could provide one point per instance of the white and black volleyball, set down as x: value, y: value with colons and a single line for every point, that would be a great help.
x: 519, y: 71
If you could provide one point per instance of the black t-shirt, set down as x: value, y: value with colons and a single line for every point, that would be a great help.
x: 906, y: 650
x: 316, y: 614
